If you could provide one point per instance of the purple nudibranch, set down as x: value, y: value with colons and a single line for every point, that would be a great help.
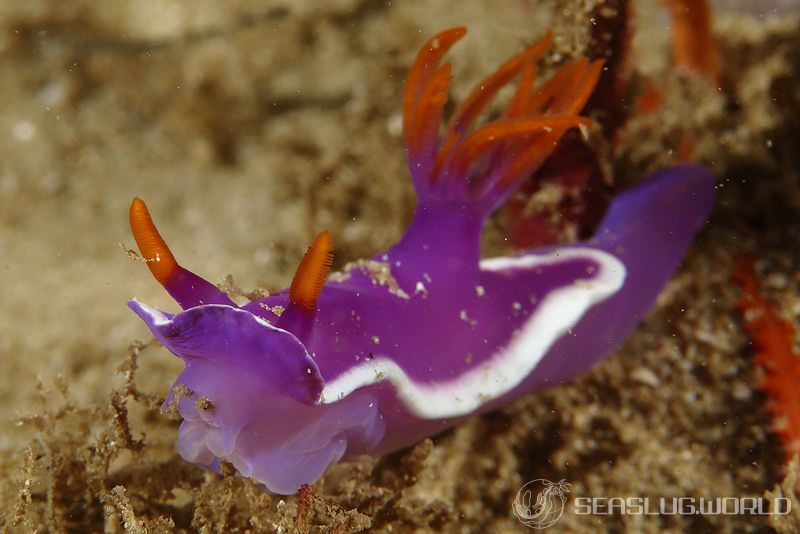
x: 426, y: 334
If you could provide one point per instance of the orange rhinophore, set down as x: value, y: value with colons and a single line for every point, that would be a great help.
x: 312, y: 271
x: 152, y: 246
x: 773, y: 339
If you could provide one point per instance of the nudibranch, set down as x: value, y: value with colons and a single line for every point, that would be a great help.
x: 425, y: 334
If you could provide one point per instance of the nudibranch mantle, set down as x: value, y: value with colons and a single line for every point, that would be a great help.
x: 421, y: 336
x: 506, y: 368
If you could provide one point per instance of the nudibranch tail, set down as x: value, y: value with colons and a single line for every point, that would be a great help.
x: 482, y: 166
x: 312, y: 271
x: 184, y: 286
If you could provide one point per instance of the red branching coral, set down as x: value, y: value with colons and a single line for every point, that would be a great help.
x: 773, y: 339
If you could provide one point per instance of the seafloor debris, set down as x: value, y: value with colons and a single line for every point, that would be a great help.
x: 693, y: 46
x: 568, y: 195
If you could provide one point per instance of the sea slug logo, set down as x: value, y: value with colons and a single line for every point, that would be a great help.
x: 540, y: 503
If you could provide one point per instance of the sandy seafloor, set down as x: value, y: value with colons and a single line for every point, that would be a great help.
x: 250, y: 126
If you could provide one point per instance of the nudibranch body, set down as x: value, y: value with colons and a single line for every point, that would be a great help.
x: 419, y: 337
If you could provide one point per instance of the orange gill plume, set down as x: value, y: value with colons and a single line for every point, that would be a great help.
x: 517, y: 143
x: 311, y: 273
x: 426, y: 94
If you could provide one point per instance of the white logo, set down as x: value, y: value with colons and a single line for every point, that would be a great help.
x: 540, y: 503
